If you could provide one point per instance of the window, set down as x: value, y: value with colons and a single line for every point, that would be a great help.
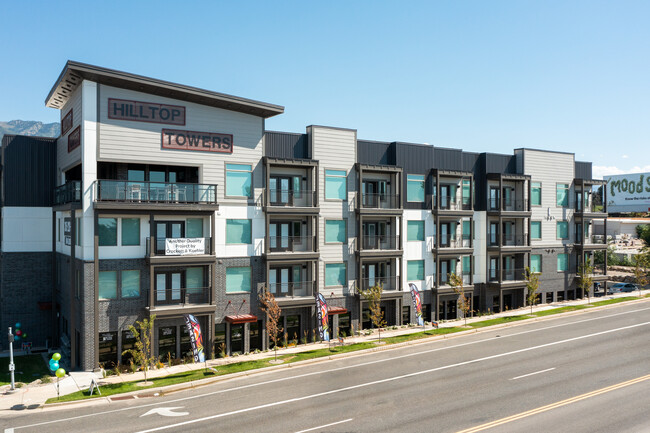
x: 194, y: 228
x: 58, y: 229
x: 415, y: 188
x: 238, y: 279
x: 107, y: 231
x: 562, y: 262
x: 467, y: 265
x: 335, y: 231
x: 335, y: 184
x: 238, y: 232
x: 415, y: 231
x: 130, y: 231
x: 562, y: 230
x: 467, y: 229
x: 238, y: 180
x: 130, y: 284
x: 536, y: 263
x: 335, y: 274
x: 562, y: 194
x: 536, y: 230
x: 536, y: 193
x: 194, y: 280
x: 466, y: 193
x: 107, y: 284
x: 415, y: 270
x: 78, y: 232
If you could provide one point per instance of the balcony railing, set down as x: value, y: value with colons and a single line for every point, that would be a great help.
x: 508, y: 205
x: 290, y: 198
x: 592, y: 240
x: 68, y: 193
x: 444, y: 279
x: 452, y: 203
x: 514, y: 240
x: 380, y: 242
x: 515, y: 274
x: 292, y: 244
x: 292, y: 289
x: 387, y: 283
x: 379, y: 201
x: 177, y: 246
x: 181, y: 296
x: 155, y: 192
x: 453, y: 241
x: 589, y: 208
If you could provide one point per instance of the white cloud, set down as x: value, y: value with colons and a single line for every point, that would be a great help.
x: 625, y: 157
x: 599, y: 171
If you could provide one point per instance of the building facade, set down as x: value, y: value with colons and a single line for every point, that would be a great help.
x: 166, y: 200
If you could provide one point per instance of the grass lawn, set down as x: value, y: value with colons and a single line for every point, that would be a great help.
x: 28, y: 369
x: 498, y: 321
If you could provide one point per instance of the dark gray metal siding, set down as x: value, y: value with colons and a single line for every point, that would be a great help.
x: 470, y: 162
x: 375, y: 152
x: 416, y: 159
x: 583, y: 170
x: 496, y: 163
x: 28, y: 170
x: 448, y: 159
x: 286, y: 145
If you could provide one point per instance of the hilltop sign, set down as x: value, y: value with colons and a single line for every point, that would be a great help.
x: 628, y: 192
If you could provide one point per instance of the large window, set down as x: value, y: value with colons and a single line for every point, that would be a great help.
x: 194, y: 228
x: 415, y: 231
x: 467, y: 228
x: 130, y: 284
x: 536, y: 263
x: 415, y: 188
x: 335, y: 231
x: 194, y: 280
x: 415, y: 270
x: 536, y: 193
x: 466, y: 192
x: 335, y: 274
x: 107, y: 231
x: 467, y: 265
x: 562, y: 194
x: 536, y: 230
x: 335, y: 184
x: 238, y: 180
x: 238, y: 231
x: 562, y: 262
x: 562, y: 230
x: 238, y: 279
x: 107, y: 284
x: 130, y: 231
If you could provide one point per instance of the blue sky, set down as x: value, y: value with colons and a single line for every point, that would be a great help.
x: 478, y: 75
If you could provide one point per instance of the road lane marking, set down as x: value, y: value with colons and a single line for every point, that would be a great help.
x: 9, y: 430
x: 554, y: 405
x: 165, y: 411
x: 331, y: 370
x: 388, y: 379
x: 532, y: 374
x: 326, y: 425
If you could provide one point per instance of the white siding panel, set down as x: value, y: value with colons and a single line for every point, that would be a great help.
x: 64, y: 158
x: 26, y: 229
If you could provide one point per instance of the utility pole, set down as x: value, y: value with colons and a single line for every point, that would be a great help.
x: 12, y: 366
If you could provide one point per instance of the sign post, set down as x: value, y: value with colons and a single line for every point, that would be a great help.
x: 12, y: 366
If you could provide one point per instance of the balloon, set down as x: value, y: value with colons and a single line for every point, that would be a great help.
x: 54, y: 365
x: 60, y: 372
x: 17, y: 325
x: 56, y: 356
x: 19, y: 332
x: 17, y: 338
x: 24, y: 335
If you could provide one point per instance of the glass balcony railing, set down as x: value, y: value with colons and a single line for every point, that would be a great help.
x: 508, y: 205
x: 387, y: 283
x: 177, y: 246
x: 380, y: 242
x: 290, y: 198
x: 181, y: 296
x: 68, y: 193
x: 379, y: 201
x: 466, y: 276
x: 515, y: 274
x: 292, y: 289
x: 453, y: 241
x: 155, y: 192
x: 452, y: 203
x: 291, y: 244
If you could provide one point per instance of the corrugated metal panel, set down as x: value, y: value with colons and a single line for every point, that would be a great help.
x: 448, y: 159
x: 375, y: 152
x: 583, y: 170
x: 286, y: 145
x: 28, y: 170
x: 496, y: 163
x: 470, y: 162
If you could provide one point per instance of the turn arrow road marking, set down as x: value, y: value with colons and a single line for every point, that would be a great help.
x: 165, y: 411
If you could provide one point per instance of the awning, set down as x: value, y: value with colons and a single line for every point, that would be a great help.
x: 336, y: 310
x: 241, y: 318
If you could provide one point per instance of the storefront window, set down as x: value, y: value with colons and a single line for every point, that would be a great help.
x: 108, y: 349
x: 236, y: 339
x: 255, y: 336
x: 128, y: 343
x: 219, y: 338
x: 167, y: 343
x: 186, y: 344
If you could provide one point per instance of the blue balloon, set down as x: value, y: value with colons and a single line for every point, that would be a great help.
x: 17, y: 325
x: 54, y: 365
x: 17, y: 338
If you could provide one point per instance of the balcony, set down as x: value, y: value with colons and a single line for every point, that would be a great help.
x: 284, y: 199
x: 175, y: 247
x: 508, y: 241
x: 293, y: 289
x: 181, y: 297
x: 452, y: 245
x: 507, y: 275
x: 444, y: 279
x: 159, y: 194
x: 452, y: 204
x: 592, y: 208
x: 68, y: 193
x: 387, y: 283
x: 496, y: 205
x: 593, y: 242
x: 380, y: 243
x: 290, y: 244
x: 379, y: 201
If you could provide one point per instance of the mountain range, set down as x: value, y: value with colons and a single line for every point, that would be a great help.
x: 30, y: 127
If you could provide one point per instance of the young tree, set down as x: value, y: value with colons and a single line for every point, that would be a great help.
x: 373, y: 296
x: 532, y: 286
x: 464, y: 302
x: 143, y: 353
x: 272, y: 309
x: 641, y: 265
x: 585, y: 278
x: 643, y: 232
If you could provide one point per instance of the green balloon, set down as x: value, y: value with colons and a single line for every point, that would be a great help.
x: 56, y: 356
x: 60, y: 372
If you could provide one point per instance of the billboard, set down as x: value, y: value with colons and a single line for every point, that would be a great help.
x: 628, y: 192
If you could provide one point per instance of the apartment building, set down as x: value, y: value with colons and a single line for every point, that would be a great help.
x: 163, y: 199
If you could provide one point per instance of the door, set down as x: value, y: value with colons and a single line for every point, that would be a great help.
x: 280, y: 191
x: 507, y: 233
x: 507, y: 197
x: 369, y: 194
x: 236, y: 338
x: 444, y: 270
x: 494, y: 198
x: 167, y: 342
x: 508, y: 268
x: 579, y: 201
x: 279, y: 236
x: 168, y: 229
x: 493, y: 269
x: 494, y: 228
x: 168, y: 287
x: 444, y: 235
x: 444, y: 197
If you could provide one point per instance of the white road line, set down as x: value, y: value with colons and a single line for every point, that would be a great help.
x: 326, y: 425
x: 331, y: 370
x: 532, y: 374
x: 9, y: 430
x: 388, y: 379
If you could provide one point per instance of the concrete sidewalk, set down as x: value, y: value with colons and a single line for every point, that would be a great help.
x: 34, y: 395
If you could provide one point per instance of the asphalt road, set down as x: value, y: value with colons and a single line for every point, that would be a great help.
x: 583, y: 373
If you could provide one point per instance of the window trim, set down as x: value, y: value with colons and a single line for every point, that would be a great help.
x: 345, y: 178
x: 225, y: 167
x: 345, y: 222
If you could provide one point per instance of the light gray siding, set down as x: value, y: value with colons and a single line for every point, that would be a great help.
x: 64, y: 158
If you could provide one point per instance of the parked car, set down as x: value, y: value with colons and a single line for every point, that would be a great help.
x: 622, y: 287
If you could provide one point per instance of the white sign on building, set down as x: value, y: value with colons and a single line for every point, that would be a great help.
x: 184, y: 246
x: 628, y: 192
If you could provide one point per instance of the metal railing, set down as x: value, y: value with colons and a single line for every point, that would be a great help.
x: 452, y: 203
x: 290, y: 198
x: 444, y: 278
x: 387, y: 283
x: 515, y: 274
x: 594, y: 240
x: 593, y: 207
x: 296, y: 244
x: 177, y: 246
x: 379, y: 242
x: 155, y: 192
x: 68, y: 193
x: 453, y: 241
x: 292, y: 289
x: 181, y: 296
x: 514, y: 240
x: 379, y: 201
x: 511, y: 205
